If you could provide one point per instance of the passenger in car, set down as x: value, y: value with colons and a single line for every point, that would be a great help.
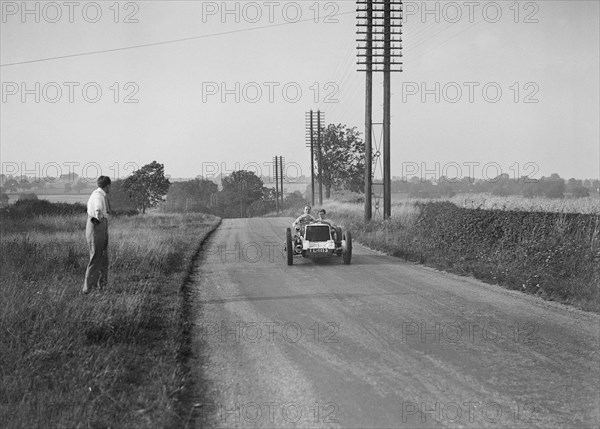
x: 322, y: 219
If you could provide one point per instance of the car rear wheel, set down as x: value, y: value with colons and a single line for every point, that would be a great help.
x: 288, y: 246
x: 347, y: 250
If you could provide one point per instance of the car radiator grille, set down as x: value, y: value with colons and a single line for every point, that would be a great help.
x: 317, y: 233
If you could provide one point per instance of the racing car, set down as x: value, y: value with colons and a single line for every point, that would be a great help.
x: 318, y: 240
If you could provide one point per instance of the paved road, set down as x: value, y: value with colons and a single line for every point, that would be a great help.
x: 379, y: 343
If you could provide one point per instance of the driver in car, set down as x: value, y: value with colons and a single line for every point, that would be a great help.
x: 302, y: 220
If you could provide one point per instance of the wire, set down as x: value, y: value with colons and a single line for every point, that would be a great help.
x: 469, y: 27
x: 418, y: 38
x: 166, y: 42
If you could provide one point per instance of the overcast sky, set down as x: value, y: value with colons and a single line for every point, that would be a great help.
x: 542, y: 56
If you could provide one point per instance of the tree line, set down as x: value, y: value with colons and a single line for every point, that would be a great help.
x: 552, y: 186
x: 342, y: 159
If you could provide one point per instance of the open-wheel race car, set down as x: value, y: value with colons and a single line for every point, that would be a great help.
x: 318, y: 240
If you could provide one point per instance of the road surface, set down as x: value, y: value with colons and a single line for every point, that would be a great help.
x: 379, y: 343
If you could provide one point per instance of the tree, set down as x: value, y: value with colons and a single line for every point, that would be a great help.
x: 11, y: 185
x: 553, y: 187
x: 192, y: 195
x: 240, y: 189
x: 147, y: 186
x: 573, y: 183
x: 577, y: 189
x: 549, y: 187
x: 69, y: 177
x: 445, y: 187
x: 39, y: 184
x: 120, y: 201
x: 503, y: 185
x: 24, y: 184
x: 295, y: 200
x: 423, y: 189
x: 80, y: 186
x: 343, y: 160
x: 580, y: 192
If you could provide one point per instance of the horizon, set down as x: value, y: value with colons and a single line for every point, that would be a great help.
x: 299, y: 180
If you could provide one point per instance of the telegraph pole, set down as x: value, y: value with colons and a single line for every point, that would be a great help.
x: 369, y: 114
x: 281, y: 178
x: 276, y: 186
x: 382, y: 38
x: 319, y: 154
x: 387, y: 51
x: 312, y: 142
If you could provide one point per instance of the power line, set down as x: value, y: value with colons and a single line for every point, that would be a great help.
x: 422, y: 37
x: 166, y: 42
x: 469, y: 27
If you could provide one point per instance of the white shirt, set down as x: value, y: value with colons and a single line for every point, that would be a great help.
x: 303, y: 219
x: 96, y: 206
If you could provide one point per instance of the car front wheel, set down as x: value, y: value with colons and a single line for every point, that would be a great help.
x: 288, y: 246
x: 347, y: 249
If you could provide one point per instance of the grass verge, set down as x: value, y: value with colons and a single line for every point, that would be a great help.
x: 108, y: 359
x: 185, y: 397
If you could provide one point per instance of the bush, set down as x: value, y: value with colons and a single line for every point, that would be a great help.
x: 554, y: 254
x: 26, y: 208
x: 25, y: 196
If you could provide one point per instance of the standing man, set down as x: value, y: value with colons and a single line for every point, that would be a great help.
x: 96, y: 233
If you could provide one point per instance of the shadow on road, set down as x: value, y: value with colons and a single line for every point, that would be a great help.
x: 356, y: 260
x: 338, y: 296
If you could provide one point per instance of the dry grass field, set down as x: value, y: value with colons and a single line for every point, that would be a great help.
x: 107, y: 359
x: 587, y: 205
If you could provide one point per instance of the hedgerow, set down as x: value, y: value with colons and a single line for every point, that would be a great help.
x: 555, y: 255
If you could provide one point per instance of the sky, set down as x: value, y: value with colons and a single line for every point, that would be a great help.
x: 211, y: 87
